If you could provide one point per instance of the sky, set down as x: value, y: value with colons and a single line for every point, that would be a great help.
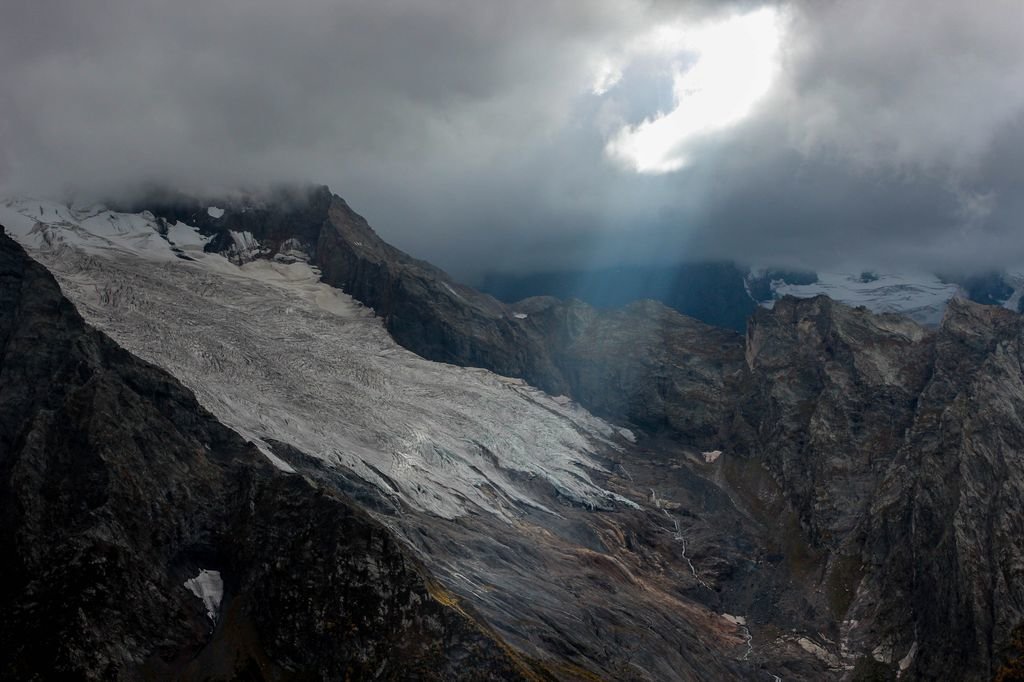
x: 532, y: 135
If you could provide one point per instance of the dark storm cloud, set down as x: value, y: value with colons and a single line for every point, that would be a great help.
x: 893, y: 138
x: 468, y: 134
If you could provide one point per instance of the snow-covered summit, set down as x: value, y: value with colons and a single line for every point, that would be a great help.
x: 920, y: 296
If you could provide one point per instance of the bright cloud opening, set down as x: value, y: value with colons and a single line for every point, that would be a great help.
x: 737, y: 61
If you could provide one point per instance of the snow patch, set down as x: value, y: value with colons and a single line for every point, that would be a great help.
x: 209, y: 587
x: 520, y: 316
x: 93, y: 231
x: 274, y: 459
x: 453, y: 292
x: 186, y: 237
x: 905, y: 662
x: 215, y: 212
x: 819, y: 652
x: 711, y: 455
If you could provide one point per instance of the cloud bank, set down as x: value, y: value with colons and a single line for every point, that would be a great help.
x: 538, y: 134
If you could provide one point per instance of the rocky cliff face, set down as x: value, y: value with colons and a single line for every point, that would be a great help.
x: 901, y: 453
x: 944, y: 533
x: 425, y: 310
x: 828, y: 393
x: 119, y: 493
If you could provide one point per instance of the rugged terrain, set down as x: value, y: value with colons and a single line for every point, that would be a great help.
x: 836, y: 495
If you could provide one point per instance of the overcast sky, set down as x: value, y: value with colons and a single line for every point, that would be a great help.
x: 534, y: 134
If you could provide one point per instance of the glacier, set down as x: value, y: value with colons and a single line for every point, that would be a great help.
x: 279, y: 356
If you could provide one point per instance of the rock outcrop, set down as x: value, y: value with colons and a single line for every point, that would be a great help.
x: 644, y: 364
x: 901, y: 453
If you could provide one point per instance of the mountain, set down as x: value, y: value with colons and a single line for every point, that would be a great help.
x: 122, y: 497
x: 900, y: 451
x: 833, y: 495
x: 510, y: 498
x: 545, y: 341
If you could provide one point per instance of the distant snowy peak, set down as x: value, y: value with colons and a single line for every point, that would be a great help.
x: 922, y: 297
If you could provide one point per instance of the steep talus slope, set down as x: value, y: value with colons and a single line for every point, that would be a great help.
x: 117, y: 488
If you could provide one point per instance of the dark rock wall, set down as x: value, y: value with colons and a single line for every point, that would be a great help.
x: 946, y: 531
x: 902, y: 452
x: 426, y: 311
